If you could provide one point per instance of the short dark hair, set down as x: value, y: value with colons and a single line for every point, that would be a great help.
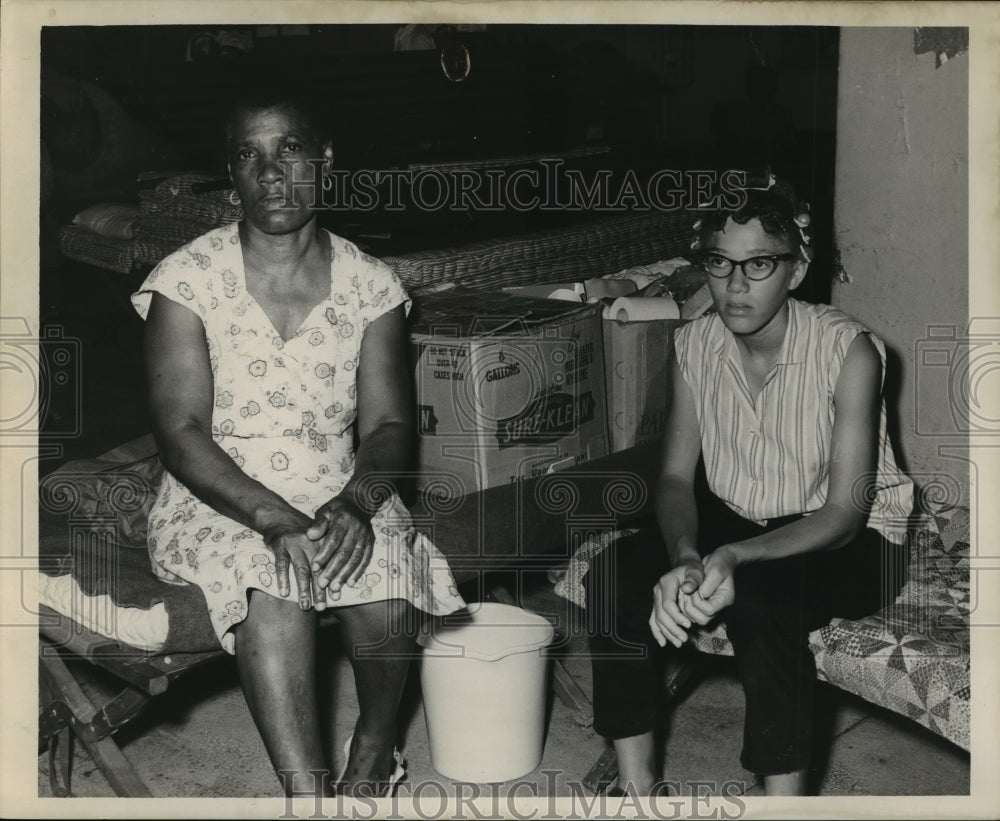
x: 256, y: 96
x: 766, y: 198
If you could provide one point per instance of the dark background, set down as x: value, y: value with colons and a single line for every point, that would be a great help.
x: 644, y: 97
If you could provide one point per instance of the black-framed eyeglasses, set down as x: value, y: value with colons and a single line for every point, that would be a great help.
x: 754, y: 268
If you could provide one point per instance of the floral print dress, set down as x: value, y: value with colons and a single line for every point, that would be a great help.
x: 283, y: 412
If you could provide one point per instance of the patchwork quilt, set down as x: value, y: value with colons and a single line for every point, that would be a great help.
x: 912, y: 657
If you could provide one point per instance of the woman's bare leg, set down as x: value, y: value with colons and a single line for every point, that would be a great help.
x: 636, y: 763
x: 380, y: 639
x: 276, y: 660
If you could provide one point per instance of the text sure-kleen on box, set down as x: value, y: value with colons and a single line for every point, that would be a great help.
x: 507, y: 387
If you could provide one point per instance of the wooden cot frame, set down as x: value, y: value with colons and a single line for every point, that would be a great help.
x: 68, y: 714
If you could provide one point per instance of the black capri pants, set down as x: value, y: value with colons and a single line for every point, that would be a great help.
x: 778, y: 603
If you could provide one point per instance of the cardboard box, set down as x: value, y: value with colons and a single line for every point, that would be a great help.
x: 507, y: 387
x: 637, y: 357
x: 589, y: 290
x: 545, y: 291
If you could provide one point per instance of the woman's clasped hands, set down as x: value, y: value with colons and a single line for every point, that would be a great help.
x: 343, y: 532
x: 322, y: 554
x: 692, y: 592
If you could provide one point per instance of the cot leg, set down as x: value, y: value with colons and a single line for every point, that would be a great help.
x: 124, y: 780
x: 603, y: 773
x: 61, y: 762
x: 84, y: 720
x: 571, y: 694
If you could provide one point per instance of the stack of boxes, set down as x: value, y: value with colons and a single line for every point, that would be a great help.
x: 511, y: 386
x: 507, y: 387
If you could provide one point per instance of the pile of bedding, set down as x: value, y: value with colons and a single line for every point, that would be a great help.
x: 173, y: 209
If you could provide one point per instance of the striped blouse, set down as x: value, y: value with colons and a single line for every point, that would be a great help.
x: 772, y: 458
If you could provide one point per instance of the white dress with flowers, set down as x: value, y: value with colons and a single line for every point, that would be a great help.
x: 283, y: 412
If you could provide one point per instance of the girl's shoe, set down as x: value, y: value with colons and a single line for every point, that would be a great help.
x: 398, y: 767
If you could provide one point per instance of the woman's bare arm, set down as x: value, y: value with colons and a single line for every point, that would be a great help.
x: 385, y: 430
x: 181, y: 398
x: 385, y: 411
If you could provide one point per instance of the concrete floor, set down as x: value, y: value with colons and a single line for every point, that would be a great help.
x: 198, y: 740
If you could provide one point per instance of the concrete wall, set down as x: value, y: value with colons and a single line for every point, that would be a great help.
x: 901, y: 224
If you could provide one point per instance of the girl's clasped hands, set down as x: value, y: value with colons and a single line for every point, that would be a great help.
x: 693, y: 592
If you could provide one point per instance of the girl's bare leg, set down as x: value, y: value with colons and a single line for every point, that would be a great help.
x: 636, y: 763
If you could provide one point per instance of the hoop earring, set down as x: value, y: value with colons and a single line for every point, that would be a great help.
x: 327, y: 182
x: 234, y: 198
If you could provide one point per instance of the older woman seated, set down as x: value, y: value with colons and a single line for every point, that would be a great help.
x: 266, y: 341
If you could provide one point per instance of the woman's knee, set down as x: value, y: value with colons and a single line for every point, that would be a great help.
x: 389, y: 619
x: 273, y: 620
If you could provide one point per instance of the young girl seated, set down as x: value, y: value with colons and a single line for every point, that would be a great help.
x: 777, y: 405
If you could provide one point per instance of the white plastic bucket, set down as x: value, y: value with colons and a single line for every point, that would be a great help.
x: 483, y: 677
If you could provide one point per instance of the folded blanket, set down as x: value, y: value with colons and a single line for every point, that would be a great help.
x: 202, y: 198
x: 84, y: 245
x: 169, y: 228
x: 162, y: 187
x: 177, y: 208
x: 197, y: 209
x: 150, y: 250
x: 102, y: 567
x: 572, y: 254
x: 109, y: 219
x: 92, y: 524
x: 117, y: 487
